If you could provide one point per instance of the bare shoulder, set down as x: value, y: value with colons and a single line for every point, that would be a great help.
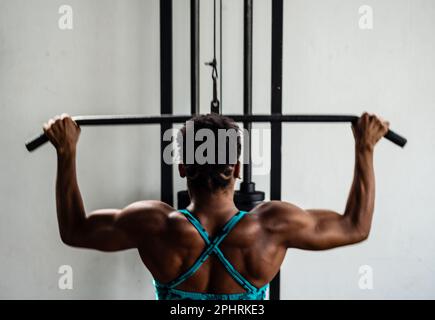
x: 149, y: 215
x: 275, y: 209
x: 150, y: 206
x: 277, y: 215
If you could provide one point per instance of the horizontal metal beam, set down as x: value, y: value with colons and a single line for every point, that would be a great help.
x: 109, y: 120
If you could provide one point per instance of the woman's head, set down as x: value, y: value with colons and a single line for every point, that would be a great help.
x: 210, y: 147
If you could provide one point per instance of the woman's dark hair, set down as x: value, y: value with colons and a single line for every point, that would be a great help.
x: 215, y: 174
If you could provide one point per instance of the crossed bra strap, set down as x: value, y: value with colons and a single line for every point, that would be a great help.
x: 212, y: 247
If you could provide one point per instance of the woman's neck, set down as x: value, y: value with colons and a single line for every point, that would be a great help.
x: 219, y: 203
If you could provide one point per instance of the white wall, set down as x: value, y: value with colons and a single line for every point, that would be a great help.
x: 332, y: 66
x: 109, y: 64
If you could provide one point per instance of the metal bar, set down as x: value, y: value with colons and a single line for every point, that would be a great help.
x: 133, y: 119
x: 166, y: 175
x: 276, y: 108
x: 247, y: 88
x: 110, y: 120
x: 194, y: 56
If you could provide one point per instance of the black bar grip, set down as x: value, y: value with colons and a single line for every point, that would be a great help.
x: 396, y: 138
x: 36, y: 143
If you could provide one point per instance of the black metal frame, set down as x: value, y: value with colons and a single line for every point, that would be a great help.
x: 166, y: 99
x: 246, y: 185
x: 166, y: 119
x: 194, y: 57
x: 276, y: 108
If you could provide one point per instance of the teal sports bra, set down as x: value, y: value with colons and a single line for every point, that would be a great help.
x: 168, y: 292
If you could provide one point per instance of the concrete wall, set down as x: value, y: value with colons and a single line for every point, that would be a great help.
x: 109, y: 64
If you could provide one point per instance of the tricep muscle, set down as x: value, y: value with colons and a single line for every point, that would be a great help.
x: 312, y: 229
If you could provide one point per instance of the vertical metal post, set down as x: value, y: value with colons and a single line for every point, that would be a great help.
x: 276, y: 108
x: 183, y: 198
x: 247, y: 198
x: 220, y: 52
x: 194, y: 56
x: 247, y: 185
x: 166, y: 176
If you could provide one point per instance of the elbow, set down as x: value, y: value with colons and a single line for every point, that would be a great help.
x: 358, y: 232
x: 71, y: 235
x: 68, y: 240
x: 361, y: 234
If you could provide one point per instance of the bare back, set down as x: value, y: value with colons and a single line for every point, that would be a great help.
x: 249, y: 247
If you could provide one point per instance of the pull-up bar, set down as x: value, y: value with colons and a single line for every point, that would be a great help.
x: 166, y: 119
